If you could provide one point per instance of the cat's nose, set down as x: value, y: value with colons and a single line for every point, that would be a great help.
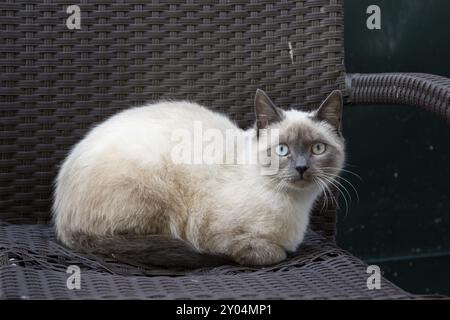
x: 302, y: 169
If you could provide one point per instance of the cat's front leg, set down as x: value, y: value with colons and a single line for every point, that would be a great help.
x: 255, y: 251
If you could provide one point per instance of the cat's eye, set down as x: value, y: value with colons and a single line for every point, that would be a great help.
x: 318, y: 148
x: 282, y: 150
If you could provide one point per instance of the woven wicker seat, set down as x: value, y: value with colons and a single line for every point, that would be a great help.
x: 35, y: 267
x: 56, y: 83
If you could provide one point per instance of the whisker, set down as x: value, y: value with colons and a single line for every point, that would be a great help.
x: 340, y: 184
x: 332, y: 182
x: 344, y: 170
x: 332, y: 197
x: 347, y: 181
x: 325, y: 202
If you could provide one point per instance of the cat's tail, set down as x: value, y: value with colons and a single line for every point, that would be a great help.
x: 147, y: 250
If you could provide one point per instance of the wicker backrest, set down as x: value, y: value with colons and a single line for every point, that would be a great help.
x: 56, y: 83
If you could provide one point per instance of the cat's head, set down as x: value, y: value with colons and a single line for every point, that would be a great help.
x: 309, y: 150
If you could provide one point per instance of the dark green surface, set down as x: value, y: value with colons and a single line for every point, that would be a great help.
x: 425, y: 275
x: 414, y: 37
x: 402, y: 221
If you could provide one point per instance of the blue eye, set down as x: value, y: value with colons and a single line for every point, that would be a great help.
x: 282, y: 150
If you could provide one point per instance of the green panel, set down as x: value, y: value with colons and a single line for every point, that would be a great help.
x: 402, y: 155
x: 426, y: 275
x: 402, y: 219
x: 413, y: 37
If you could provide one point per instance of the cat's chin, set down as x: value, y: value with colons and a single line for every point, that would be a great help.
x: 299, y: 184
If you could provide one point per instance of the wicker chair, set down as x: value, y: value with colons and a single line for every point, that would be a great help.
x: 56, y: 83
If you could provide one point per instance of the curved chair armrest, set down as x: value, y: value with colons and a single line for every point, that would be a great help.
x: 429, y: 92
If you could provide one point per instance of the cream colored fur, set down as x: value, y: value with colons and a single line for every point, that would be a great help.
x: 120, y: 179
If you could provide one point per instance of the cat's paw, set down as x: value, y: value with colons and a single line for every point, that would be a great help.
x: 259, y: 253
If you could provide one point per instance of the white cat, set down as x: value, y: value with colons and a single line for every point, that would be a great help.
x: 120, y: 193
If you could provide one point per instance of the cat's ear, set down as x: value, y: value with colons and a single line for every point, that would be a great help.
x: 265, y: 111
x: 331, y: 110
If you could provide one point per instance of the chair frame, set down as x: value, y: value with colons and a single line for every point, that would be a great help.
x: 56, y: 83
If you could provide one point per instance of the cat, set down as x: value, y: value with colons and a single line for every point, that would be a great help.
x: 119, y: 192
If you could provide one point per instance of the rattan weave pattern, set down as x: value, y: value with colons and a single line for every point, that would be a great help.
x: 426, y: 91
x: 56, y: 83
x: 33, y: 266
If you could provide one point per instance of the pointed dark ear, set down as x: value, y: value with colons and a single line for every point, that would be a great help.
x: 265, y: 111
x: 331, y: 110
